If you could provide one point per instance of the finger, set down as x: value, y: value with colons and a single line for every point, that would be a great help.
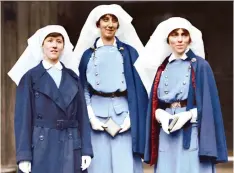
x: 122, y: 130
x: 101, y: 128
x: 104, y: 125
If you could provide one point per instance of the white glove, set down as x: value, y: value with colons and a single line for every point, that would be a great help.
x: 25, y: 166
x: 126, y: 124
x: 183, y: 118
x: 194, y: 115
x: 95, y: 123
x: 86, y: 160
x: 163, y: 117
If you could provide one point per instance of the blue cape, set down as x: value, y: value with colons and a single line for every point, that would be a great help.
x: 212, y: 140
x: 137, y: 95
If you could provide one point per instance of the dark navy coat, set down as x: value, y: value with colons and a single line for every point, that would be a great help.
x: 203, y: 94
x: 52, y: 129
x: 137, y: 95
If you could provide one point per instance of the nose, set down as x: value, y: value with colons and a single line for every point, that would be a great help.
x: 110, y: 24
x: 54, y: 44
x: 180, y: 38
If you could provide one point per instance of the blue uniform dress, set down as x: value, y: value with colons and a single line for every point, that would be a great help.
x: 173, y: 158
x: 105, y: 73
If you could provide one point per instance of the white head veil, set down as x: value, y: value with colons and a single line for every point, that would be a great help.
x: 33, y: 54
x: 157, y: 48
x: 126, y: 32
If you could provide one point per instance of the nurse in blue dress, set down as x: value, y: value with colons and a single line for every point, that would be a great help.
x: 184, y: 88
x: 113, y: 89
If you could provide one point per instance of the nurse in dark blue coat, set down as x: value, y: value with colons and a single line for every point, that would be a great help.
x: 52, y: 129
x: 184, y: 88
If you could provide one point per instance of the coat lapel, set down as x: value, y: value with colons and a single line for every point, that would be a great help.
x: 68, y: 87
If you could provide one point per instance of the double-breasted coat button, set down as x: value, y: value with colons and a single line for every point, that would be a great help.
x: 37, y: 94
x: 184, y: 83
x: 39, y: 116
x: 41, y: 137
x: 181, y: 91
x: 166, y: 92
x: 187, y: 75
x: 98, y: 83
x: 96, y: 74
x: 166, y: 84
x: 70, y: 136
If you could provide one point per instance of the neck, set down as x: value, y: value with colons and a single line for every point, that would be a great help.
x: 51, y: 61
x: 107, y: 41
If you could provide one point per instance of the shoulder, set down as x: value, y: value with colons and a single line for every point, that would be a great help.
x: 28, y: 77
x: 202, y: 63
x: 129, y: 47
x: 72, y: 73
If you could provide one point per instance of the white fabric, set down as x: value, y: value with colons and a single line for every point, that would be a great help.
x: 90, y: 112
x: 86, y: 161
x: 183, y: 118
x: 163, y: 117
x: 33, y: 54
x: 126, y: 124
x: 48, y: 65
x: 25, y: 166
x: 157, y: 48
x: 126, y: 32
x: 95, y: 123
x: 194, y: 115
x: 100, y: 43
x: 173, y: 56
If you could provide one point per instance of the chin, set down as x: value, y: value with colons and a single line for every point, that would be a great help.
x: 54, y: 58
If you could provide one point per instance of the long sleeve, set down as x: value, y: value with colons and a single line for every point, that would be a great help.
x: 23, y: 120
x: 84, y: 124
x: 87, y: 94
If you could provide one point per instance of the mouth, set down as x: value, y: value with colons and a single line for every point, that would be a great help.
x: 54, y: 51
x: 180, y: 46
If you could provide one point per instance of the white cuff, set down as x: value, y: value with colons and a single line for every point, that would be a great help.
x: 194, y: 115
x: 90, y: 112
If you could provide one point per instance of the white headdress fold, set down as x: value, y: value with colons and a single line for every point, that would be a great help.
x: 33, y: 54
x: 157, y: 48
x: 126, y: 32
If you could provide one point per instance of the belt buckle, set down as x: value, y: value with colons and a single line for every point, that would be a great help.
x: 60, y: 124
x: 176, y: 105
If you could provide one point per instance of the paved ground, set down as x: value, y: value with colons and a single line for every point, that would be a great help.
x: 221, y: 168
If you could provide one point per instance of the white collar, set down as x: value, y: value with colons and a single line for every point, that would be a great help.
x: 100, y: 43
x: 48, y: 65
x: 183, y: 57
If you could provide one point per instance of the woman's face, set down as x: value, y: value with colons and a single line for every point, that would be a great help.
x: 53, y: 47
x: 108, y: 25
x: 179, y: 39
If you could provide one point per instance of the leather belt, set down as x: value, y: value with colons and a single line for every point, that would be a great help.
x: 178, y: 104
x: 114, y: 94
x: 58, y: 124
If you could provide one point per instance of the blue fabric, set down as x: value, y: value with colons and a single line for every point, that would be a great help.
x: 108, y: 151
x: 174, y: 81
x: 105, y: 71
x: 37, y: 97
x: 56, y: 74
x: 212, y: 140
x: 174, y: 158
x: 137, y: 95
